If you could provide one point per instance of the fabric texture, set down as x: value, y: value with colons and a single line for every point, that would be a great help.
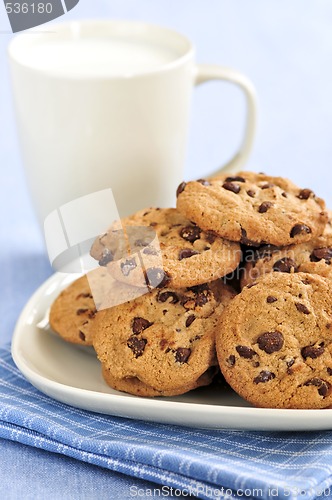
x: 206, y: 463
x: 29, y: 473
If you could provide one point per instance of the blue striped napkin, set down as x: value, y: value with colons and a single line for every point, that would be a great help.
x: 206, y: 463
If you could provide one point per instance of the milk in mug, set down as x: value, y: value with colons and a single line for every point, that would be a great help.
x: 105, y: 104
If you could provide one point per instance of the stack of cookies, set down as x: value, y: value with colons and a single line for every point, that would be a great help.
x: 159, y: 338
x: 237, y: 277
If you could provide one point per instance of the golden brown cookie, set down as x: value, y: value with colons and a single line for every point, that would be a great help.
x: 313, y: 257
x: 253, y: 209
x: 178, y: 253
x: 134, y: 386
x: 165, y: 339
x: 274, y: 343
x: 73, y: 312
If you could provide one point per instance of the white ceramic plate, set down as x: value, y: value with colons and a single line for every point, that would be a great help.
x: 72, y: 374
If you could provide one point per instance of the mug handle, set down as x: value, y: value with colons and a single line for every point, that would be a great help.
x: 207, y: 72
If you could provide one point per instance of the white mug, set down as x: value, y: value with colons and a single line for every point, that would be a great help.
x: 105, y: 104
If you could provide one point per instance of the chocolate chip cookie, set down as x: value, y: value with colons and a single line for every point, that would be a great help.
x: 165, y: 249
x: 134, y: 386
x: 274, y: 343
x: 312, y: 257
x: 73, y: 313
x: 164, y: 340
x: 253, y: 209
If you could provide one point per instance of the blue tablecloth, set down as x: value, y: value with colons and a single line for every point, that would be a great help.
x: 206, y: 463
x: 286, y: 49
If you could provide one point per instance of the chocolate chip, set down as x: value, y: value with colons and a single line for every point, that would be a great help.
x: 81, y: 311
x: 204, y: 287
x: 285, y: 265
x: 81, y: 335
x: 231, y: 360
x: 185, y: 253
x: 92, y: 313
x: 201, y: 299
x: 202, y: 296
x: 270, y: 299
x: 139, y: 324
x: 302, y: 308
x: 270, y: 342
x: 299, y: 229
x: 236, y: 178
x: 180, y: 188
x: 251, y: 193
x: 204, y: 182
x: 263, y: 207
x: 245, y: 352
x: 321, y: 253
x: 268, y: 185
x: 329, y: 370
x: 157, y: 278
x: 141, y: 243
x: 188, y: 302
x: 246, y: 241
x: 163, y: 343
x: 324, y: 388
x: 265, y: 251
x: 210, y: 236
x: 150, y: 251
x: 312, y: 352
x: 285, y: 195
x: 190, y: 233
x: 137, y: 345
x: 84, y: 296
x: 230, y: 186
x: 289, y: 363
x: 304, y: 194
x: 264, y: 376
x: 128, y: 266
x: 164, y: 296
x: 190, y: 320
x: 106, y: 257
x: 197, y: 337
x: 182, y: 354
